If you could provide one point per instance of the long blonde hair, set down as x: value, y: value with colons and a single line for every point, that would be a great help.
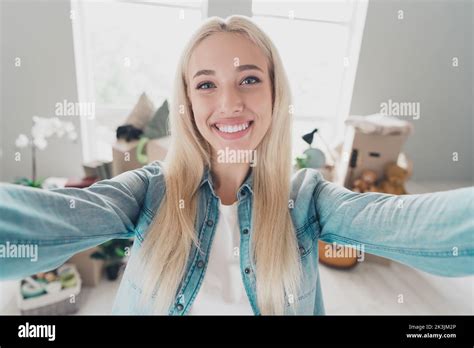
x: 274, y: 246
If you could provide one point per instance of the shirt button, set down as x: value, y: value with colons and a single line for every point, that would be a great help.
x: 245, y: 231
x: 242, y: 192
x: 200, y: 263
x: 210, y: 223
x: 247, y: 270
x: 302, y: 250
x: 179, y: 307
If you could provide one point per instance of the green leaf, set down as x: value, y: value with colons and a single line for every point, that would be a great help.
x: 29, y: 182
x: 119, y: 252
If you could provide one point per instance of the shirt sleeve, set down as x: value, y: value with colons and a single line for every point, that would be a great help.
x: 433, y: 232
x: 41, y: 229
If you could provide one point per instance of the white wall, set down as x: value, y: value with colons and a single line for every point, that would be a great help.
x: 225, y: 8
x: 40, y: 33
x: 411, y: 60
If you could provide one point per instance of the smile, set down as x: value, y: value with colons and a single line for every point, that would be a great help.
x: 232, y: 131
x: 232, y: 128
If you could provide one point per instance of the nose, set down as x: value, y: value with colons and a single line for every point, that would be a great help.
x: 231, y: 102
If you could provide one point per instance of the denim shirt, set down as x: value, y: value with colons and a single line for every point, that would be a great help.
x: 432, y: 232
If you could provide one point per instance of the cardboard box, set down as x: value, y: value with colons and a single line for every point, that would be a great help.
x: 90, y: 269
x: 157, y: 149
x: 125, y: 154
x: 367, y: 151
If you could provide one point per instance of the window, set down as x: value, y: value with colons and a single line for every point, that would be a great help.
x: 319, y: 43
x: 124, y: 48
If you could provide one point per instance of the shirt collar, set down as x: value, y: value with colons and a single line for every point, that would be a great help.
x: 248, y: 182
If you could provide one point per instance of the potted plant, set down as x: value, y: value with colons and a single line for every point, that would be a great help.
x: 43, y: 128
x: 301, y: 161
x: 113, y: 253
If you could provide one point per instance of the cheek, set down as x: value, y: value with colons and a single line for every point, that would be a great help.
x: 262, y: 105
x: 200, y: 112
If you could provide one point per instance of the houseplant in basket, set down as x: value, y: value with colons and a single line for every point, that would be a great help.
x: 113, y: 253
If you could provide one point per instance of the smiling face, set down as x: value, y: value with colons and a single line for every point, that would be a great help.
x: 230, y: 91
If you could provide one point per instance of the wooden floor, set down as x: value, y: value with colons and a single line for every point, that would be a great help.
x: 373, y: 288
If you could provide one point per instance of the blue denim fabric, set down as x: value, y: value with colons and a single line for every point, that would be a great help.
x: 432, y: 232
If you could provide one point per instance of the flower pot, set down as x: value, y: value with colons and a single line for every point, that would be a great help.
x: 113, y: 270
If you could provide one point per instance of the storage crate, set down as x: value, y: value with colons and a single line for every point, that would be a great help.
x: 66, y: 301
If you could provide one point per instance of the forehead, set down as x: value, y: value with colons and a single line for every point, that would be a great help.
x: 220, y: 50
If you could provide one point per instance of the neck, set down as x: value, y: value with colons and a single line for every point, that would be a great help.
x: 227, y: 179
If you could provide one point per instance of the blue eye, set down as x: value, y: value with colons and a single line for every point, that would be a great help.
x: 200, y: 86
x: 251, y: 78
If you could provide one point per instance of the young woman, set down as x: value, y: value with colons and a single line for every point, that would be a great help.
x: 217, y: 237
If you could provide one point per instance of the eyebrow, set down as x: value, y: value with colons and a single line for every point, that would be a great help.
x: 238, y: 68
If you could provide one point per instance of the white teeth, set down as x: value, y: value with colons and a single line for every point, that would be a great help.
x: 234, y: 128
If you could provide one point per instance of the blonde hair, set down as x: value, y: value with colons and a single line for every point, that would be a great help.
x: 274, y: 246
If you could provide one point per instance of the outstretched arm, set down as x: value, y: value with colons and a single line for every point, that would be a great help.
x: 433, y: 232
x: 58, y: 223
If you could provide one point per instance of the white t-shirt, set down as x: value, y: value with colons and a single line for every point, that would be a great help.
x: 222, y: 291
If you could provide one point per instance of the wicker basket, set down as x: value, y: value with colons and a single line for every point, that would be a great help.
x: 53, y: 303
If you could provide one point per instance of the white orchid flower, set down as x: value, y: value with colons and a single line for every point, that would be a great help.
x: 40, y: 143
x: 44, y: 128
x: 22, y: 141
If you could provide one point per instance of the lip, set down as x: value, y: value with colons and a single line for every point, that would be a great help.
x: 235, y: 135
